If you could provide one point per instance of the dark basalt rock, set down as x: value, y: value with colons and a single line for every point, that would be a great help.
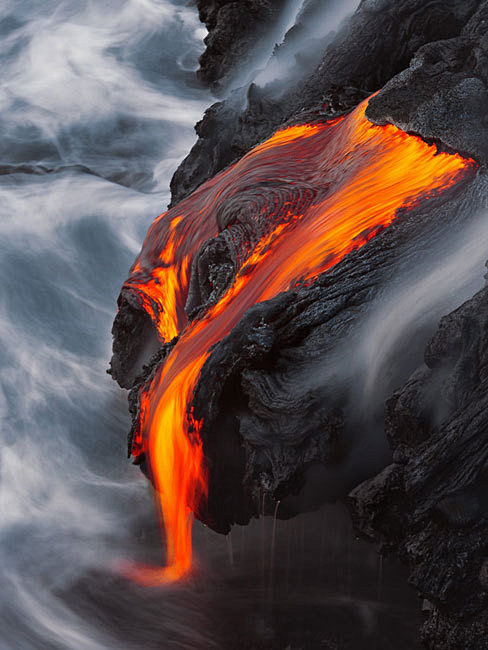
x: 431, y: 505
x: 376, y: 44
x: 135, y: 340
x: 235, y: 30
x: 443, y: 95
x: 465, y: 506
x: 147, y: 372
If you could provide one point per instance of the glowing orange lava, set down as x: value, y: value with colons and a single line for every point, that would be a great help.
x: 362, y: 175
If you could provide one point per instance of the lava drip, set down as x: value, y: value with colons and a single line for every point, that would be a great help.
x: 340, y: 183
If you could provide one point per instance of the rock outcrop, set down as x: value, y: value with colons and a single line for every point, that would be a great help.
x: 431, y: 504
x: 443, y: 94
x: 235, y: 31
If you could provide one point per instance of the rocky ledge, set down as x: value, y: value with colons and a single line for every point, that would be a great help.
x: 431, y: 504
x: 235, y: 29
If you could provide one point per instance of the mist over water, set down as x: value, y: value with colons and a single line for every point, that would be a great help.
x: 98, y: 103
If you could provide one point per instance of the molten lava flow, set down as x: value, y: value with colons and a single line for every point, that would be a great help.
x: 360, y: 175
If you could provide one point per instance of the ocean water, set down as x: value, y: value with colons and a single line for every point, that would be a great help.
x: 98, y: 102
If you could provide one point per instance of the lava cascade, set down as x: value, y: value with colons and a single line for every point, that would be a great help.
x: 358, y: 175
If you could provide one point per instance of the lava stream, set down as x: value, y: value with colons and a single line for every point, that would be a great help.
x: 361, y: 175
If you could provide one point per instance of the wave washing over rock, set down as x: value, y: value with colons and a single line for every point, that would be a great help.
x: 375, y: 389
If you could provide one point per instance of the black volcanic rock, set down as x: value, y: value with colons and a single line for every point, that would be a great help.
x: 235, y: 30
x: 373, y: 46
x: 443, y: 95
x: 431, y: 504
x: 135, y: 340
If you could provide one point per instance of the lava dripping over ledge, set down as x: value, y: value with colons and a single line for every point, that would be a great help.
x: 287, y: 211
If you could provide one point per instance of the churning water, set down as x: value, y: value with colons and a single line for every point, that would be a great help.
x: 97, y: 104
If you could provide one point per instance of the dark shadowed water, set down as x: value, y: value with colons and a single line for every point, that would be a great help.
x: 97, y: 109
